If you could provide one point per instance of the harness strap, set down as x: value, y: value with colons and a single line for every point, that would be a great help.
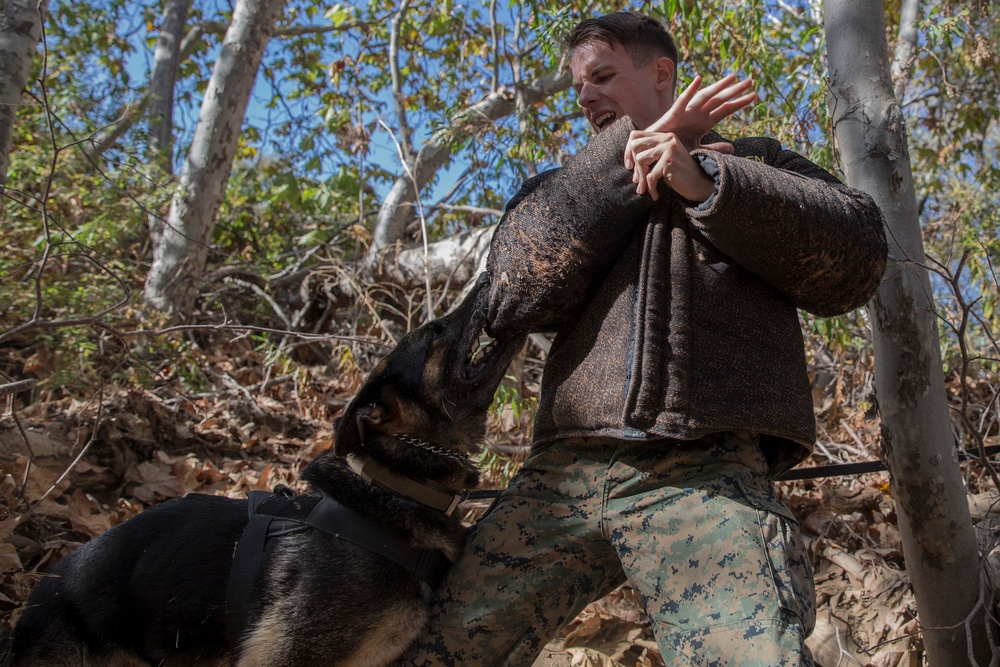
x: 273, y: 515
x: 247, y: 556
x: 333, y: 518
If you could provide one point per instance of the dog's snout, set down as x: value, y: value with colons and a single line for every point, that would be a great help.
x: 347, y: 434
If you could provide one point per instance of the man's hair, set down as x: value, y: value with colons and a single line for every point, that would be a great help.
x: 642, y: 38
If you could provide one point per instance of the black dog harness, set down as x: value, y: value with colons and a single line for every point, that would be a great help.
x: 273, y: 515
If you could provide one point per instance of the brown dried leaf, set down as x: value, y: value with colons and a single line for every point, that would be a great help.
x: 86, y: 515
x: 7, y: 527
x: 154, y: 481
x: 604, y: 641
x: 588, y: 657
x: 9, y: 560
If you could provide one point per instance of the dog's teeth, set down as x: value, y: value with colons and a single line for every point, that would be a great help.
x: 480, y: 349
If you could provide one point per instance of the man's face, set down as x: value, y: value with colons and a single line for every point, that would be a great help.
x: 609, y: 85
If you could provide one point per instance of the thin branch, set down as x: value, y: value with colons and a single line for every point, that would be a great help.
x: 36, y: 321
x: 423, y: 220
x: 218, y: 28
x: 9, y: 389
x: 79, y: 457
x: 16, y: 387
x: 475, y: 210
x: 242, y: 328
x: 495, y: 40
x: 403, y: 145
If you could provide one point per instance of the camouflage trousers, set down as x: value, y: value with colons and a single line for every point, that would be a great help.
x: 694, y: 526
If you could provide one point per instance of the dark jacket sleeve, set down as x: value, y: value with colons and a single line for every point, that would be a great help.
x: 560, y: 235
x: 793, y: 224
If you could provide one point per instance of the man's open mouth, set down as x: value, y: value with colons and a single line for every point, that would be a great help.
x: 604, y: 120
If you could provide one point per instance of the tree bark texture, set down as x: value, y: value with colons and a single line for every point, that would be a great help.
x: 938, y: 539
x: 180, y: 247
x: 397, y: 206
x: 906, y: 45
x: 20, y: 28
x: 455, y: 260
x: 173, y: 46
x: 166, y: 60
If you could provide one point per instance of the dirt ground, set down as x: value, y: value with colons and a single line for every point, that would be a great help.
x: 73, y: 466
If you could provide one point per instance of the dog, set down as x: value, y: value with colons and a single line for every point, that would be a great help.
x: 170, y: 587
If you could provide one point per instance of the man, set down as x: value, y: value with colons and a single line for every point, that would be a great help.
x: 676, y: 385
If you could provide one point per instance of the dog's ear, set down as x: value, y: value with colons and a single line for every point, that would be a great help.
x: 351, y: 427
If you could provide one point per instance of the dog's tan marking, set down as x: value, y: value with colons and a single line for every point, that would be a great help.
x: 399, y: 626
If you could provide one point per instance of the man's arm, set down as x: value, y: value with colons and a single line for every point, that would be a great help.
x: 563, y: 231
x: 777, y: 214
x: 560, y: 236
x: 793, y: 224
x: 661, y: 152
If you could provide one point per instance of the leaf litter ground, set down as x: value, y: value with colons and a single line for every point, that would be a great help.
x: 249, y: 430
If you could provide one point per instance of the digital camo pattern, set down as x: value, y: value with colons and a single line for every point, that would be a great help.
x: 695, y: 526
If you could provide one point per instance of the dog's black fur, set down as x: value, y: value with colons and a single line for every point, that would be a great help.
x: 152, y: 590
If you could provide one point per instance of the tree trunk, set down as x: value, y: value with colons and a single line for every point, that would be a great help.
x: 906, y: 46
x: 180, y: 247
x: 455, y: 260
x: 160, y: 142
x: 938, y: 539
x: 166, y: 59
x: 20, y: 28
x: 392, y: 216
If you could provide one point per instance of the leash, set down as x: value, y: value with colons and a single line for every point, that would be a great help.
x: 814, y: 472
x: 842, y: 469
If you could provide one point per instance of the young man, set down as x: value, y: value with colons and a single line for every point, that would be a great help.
x: 671, y: 271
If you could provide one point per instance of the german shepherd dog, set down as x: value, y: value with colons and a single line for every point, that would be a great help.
x: 157, y: 590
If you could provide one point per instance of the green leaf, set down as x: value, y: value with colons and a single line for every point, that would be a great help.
x: 338, y: 15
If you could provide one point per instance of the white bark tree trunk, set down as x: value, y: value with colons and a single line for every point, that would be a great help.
x: 187, y: 44
x: 938, y: 539
x: 166, y: 59
x: 398, y: 204
x: 20, y: 28
x: 180, y: 248
x: 906, y: 46
x: 455, y: 260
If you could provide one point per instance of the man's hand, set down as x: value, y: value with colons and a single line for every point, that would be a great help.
x: 670, y: 161
x: 697, y: 111
x: 662, y: 151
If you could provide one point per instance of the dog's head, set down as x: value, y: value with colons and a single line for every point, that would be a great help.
x: 436, y: 385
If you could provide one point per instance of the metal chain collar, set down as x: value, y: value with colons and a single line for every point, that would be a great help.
x: 441, y: 451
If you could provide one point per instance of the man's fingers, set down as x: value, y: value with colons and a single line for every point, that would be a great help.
x: 724, y: 97
x: 639, y: 177
x: 719, y: 147
x: 689, y: 92
x: 724, y: 82
x: 732, y: 106
x: 707, y: 94
x: 654, y: 177
x: 682, y: 102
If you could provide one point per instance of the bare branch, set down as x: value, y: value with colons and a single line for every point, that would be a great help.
x: 403, y: 145
x: 391, y: 221
x: 420, y: 211
x: 16, y: 387
x: 495, y: 41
